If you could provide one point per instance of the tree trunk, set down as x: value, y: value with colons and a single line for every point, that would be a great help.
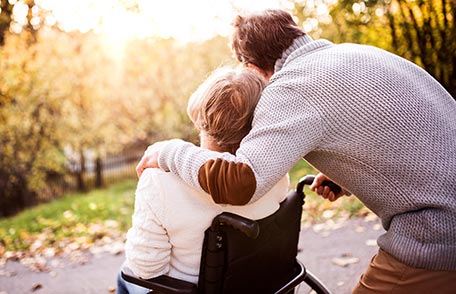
x: 80, y: 174
x: 98, y: 172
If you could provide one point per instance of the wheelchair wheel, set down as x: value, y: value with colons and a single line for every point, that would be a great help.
x: 315, y: 284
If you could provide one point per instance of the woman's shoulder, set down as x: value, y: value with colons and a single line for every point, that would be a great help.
x: 167, y: 185
x: 153, y: 177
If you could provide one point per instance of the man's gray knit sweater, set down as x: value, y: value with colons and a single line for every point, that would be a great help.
x: 373, y: 122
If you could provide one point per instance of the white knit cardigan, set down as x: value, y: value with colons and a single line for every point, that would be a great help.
x: 169, y: 221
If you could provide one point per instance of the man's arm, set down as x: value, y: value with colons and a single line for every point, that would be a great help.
x: 224, y: 179
x: 285, y: 128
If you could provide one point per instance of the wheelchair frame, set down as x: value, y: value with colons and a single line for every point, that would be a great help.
x: 168, y: 285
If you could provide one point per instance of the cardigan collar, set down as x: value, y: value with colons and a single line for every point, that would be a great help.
x: 300, y: 46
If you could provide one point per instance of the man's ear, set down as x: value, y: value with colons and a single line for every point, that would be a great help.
x: 264, y: 73
x: 254, y: 67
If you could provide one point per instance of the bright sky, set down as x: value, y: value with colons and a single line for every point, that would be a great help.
x: 185, y: 20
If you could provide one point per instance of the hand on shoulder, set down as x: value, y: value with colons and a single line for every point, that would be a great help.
x: 150, y: 158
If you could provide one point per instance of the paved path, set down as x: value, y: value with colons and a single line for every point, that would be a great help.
x: 352, y: 243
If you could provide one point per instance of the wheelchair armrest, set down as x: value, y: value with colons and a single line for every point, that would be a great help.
x: 247, y: 226
x: 308, y: 180
x: 162, y: 284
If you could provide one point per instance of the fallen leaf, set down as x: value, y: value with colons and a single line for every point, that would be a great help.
x: 344, y: 261
x: 327, y: 214
x: 325, y: 234
x: 73, y: 246
x: 56, y: 263
x: 328, y: 225
x: 117, y: 248
x: 306, y: 225
x: 37, y: 263
x: 13, y: 255
x: 360, y: 229
x: 36, y: 245
x: 370, y: 217
x: 334, y: 225
x: 8, y: 273
x: 96, y: 250
x: 112, y: 289
x: 111, y: 224
x: 371, y: 242
x: 78, y: 258
x: 318, y: 227
x: 377, y: 227
x: 36, y: 287
x: 68, y: 214
x: 79, y: 228
x: 49, y: 252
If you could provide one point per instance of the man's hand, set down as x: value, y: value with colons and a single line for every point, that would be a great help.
x: 324, y: 191
x: 150, y: 158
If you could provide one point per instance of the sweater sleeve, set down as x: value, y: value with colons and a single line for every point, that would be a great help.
x: 147, y: 248
x: 285, y: 128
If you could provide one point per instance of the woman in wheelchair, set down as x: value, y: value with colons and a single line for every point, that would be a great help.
x: 170, y: 216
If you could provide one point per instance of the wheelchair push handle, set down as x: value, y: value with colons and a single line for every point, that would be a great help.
x: 308, y: 180
x: 247, y: 226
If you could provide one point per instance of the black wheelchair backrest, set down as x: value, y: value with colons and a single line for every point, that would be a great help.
x: 259, y: 260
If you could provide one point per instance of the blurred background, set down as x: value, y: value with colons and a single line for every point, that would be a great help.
x: 87, y: 85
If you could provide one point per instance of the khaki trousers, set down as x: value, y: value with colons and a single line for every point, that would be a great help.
x: 385, y: 274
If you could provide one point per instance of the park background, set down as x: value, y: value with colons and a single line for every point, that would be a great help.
x: 86, y: 86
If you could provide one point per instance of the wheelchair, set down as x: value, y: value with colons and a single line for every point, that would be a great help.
x: 241, y: 255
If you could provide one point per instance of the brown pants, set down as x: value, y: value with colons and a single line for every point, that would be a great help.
x: 386, y: 274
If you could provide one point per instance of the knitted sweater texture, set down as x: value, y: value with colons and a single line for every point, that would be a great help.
x: 375, y: 123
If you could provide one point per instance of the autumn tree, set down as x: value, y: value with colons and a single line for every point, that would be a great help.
x: 71, y: 94
x: 30, y: 119
x: 55, y: 96
x: 18, y: 16
x: 6, y: 11
x: 88, y: 70
x: 424, y: 32
x: 157, y: 78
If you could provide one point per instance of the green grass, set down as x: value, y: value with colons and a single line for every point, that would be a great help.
x: 300, y: 170
x: 70, y: 217
x: 107, y: 212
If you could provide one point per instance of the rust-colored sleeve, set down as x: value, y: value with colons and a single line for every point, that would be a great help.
x: 227, y: 182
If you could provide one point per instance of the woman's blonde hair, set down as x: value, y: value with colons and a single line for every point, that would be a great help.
x: 223, y: 105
